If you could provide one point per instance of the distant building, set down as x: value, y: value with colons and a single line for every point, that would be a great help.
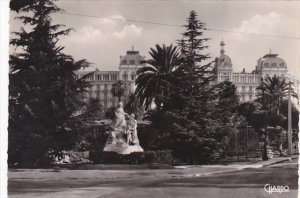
x: 246, y: 83
x: 102, y: 81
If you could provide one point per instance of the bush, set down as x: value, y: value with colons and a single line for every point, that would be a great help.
x: 162, y: 157
x: 92, y: 137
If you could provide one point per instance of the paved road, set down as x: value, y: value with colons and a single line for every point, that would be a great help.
x: 245, y: 183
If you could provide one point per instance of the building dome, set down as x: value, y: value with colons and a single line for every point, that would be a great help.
x: 131, y: 58
x: 272, y: 61
x: 224, y: 60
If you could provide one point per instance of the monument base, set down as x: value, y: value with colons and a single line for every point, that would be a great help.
x: 124, y: 149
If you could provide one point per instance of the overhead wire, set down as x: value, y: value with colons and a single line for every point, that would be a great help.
x: 175, y: 25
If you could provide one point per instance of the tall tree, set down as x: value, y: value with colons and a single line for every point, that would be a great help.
x: 228, y: 100
x: 44, y: 88
x: 153, y: 81
x: 193, y: 124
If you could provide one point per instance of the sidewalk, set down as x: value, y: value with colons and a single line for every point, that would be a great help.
x: 177, y: 172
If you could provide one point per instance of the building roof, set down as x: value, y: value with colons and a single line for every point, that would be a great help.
x: 272, y: 61
x: 132, y: 57
x: 224, y: 60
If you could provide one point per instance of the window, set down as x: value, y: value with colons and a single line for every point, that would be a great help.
x: 250, y: 88
x: 243, y: 79
x: 98, y: 87
x: 243, y: 88
x: 90, y: 77
x: 125, y: 76
x: 274, y: 64
x: 113, y: 77
x: 250, y: 79
x: 132, y: 76
x: 98, y: 77
x: 124, y: 62
x: 236, y: 79
x: 266, y: 64
x: 105, y: 77
x: 131, y: 62
x: 250, y: 97
x: 243, y: 97
x: 105, y: 87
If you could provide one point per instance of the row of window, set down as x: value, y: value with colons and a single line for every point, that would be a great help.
x: 112, y: 77
x: 243, y: 97
x: 273, y: 64
x: 130, y: 62
x: 241, y: 79
x: 250, y: 89
x: 105, y: 77
x: 246, y: 79
x: 125, y: 76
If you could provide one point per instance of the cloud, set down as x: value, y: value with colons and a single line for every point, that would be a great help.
x: 128, y: 30
x: 272, y: 23
x: 246, y: 49
x: 100, y: 40
x: 103, y: 29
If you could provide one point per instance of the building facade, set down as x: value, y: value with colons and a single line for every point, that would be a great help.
x: 102, y: 81
x: 246, y: 83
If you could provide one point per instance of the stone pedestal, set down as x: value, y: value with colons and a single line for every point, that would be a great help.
x: 123, y: 149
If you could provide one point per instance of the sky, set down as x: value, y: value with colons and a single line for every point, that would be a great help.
x: 103, y: 40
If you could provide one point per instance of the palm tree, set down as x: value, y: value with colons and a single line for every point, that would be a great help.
x: 118, y: 89
x: 133, y: 106
x: 153, y: 81
x: 272, y: 91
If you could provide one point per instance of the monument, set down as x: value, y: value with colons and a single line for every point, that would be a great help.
x: 122, y: 137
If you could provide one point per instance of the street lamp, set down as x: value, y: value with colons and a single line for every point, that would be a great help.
x: 290, y: 135
x: 290, y: 121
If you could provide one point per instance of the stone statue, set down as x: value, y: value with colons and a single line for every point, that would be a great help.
x: 122, y: 137
x: 132, y: 137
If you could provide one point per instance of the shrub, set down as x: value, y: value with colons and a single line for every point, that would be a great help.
x: 162, y: 157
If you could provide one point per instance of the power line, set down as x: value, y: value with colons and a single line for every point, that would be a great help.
x: 126, y: 20
x: 174, y: 25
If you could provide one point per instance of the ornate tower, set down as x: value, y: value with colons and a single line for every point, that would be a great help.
x: 129, y: 64
x: 223, y: 65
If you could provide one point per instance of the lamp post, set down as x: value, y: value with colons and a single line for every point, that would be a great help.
x: 265, y: 150
x: 289, y: 120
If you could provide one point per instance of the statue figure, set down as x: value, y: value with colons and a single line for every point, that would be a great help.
x: 118, y: 127
x: 132, y: 131
x: 123, y: 133
x: 119, y: 122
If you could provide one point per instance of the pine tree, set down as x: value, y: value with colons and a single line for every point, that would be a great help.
x: 192, y: 48
x: 44, y: 89
x: 198, y: 107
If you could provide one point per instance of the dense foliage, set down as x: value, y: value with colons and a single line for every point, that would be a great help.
x: 272, y: 91
x: 194, y: 117
x: 118, y: 89
x: 154, y: 80
x: 44, y: 89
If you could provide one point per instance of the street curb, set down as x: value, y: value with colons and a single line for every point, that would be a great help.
x: 241, y: 168
x: 280, y: 161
